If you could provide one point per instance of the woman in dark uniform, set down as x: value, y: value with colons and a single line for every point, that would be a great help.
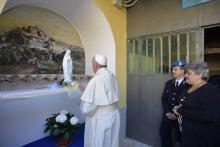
x: 199, y: 110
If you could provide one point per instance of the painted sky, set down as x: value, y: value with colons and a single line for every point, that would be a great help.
x: 51, y: 23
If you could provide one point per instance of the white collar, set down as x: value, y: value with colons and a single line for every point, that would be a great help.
x: 101, y: 69
x: 179, y: 81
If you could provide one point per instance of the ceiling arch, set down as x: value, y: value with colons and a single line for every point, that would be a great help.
x: 88, y: 19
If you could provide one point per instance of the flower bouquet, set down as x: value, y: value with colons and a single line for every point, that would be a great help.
x: 61, y: 126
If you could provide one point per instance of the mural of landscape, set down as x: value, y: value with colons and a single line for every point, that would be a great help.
x: 34, y: 40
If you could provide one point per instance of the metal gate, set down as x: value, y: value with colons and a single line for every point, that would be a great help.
x: 149, y: 61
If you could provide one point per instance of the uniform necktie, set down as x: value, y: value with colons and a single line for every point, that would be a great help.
x: 176, y: 83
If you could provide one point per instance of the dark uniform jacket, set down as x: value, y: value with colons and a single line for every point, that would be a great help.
x: 200, y: 114
x: 170, y: 96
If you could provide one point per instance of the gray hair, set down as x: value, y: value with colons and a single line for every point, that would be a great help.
x: 199, y: 68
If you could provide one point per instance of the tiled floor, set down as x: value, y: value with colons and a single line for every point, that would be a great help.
x: 131, y: 143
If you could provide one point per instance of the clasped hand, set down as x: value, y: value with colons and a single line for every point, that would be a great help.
x: 171, y: 116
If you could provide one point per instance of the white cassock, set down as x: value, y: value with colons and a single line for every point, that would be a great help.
x: 99, y: 106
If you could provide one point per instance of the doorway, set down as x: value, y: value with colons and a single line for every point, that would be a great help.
x: 212, y: 49
x: 212, y: 53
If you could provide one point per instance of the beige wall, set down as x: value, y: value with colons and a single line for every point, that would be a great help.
x: 158, y: 16
x: 149, y: 17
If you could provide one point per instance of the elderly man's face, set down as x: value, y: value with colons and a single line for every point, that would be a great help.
x: 94, y: 65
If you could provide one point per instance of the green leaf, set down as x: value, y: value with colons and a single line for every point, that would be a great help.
x: 62, y: 130
x: 46, y: 129
x: 56, y: 132
x: 67, y: 135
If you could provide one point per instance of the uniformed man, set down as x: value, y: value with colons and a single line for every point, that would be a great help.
x: 172, y: 91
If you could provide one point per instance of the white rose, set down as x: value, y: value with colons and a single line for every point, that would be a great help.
x: 74, y: 120
x: 61, y: 118
x: 63, y: 112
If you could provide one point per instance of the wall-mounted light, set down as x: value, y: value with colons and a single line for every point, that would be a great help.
x: 124, y: 3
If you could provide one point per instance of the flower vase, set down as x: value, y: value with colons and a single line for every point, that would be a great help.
x: 63, y: 142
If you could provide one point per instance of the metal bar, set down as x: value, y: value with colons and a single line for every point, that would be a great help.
x: 178, y: 46
x: 154, y: 66
x: 187, y: 47
x: 161, y: 55
x: 169, y: 47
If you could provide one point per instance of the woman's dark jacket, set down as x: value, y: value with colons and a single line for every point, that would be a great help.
x: 201, y: 117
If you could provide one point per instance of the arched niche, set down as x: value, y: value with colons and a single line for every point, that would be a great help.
x: 88, y: 19
x: 34, y: 41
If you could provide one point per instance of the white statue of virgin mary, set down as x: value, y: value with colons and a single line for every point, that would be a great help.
x: 67, y: 67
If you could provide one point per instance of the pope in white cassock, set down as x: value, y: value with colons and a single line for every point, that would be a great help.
x: 98, y: 103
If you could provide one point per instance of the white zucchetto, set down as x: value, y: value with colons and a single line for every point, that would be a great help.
x: 101, y: 59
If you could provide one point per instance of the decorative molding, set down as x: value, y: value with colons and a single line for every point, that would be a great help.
x: 13, y: 78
